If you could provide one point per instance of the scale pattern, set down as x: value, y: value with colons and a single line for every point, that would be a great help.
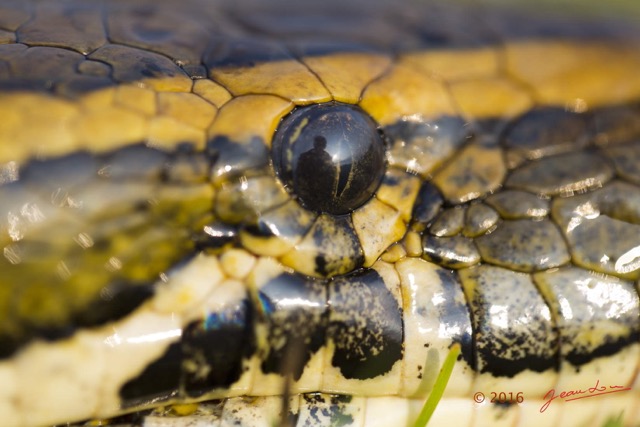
x: 151, y: 255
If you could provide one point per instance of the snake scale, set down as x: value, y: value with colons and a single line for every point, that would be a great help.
x: 290, y: 211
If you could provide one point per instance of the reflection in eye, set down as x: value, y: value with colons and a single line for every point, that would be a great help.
x: 321, y: 163
x: 330, y: 156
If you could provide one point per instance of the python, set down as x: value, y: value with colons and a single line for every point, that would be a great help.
x: 292, y: 211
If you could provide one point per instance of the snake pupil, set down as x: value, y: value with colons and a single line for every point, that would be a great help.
x: 330, y: 156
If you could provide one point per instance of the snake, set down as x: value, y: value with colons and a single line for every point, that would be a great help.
x: 246, y: 213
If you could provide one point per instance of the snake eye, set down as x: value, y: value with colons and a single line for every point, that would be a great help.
x: 330, y: 156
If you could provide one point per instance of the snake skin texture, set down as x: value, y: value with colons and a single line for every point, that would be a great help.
x: 286, y: 213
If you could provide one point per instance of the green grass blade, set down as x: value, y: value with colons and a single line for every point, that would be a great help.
x: 439, y: 387
x: 615, y: 421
